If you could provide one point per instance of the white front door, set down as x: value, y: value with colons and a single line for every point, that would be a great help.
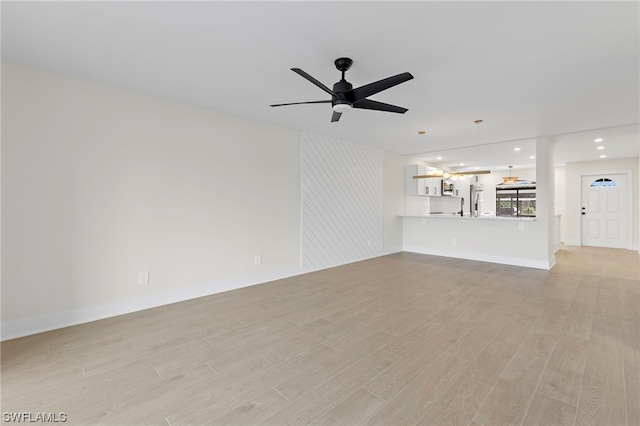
x: 604, y: 210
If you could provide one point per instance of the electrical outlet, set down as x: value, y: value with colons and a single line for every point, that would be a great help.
x: 257, y: 259
x: 143, y: 277
x: 454, y: 241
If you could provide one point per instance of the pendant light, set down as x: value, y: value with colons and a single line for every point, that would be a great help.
x: 464, y: 174
x: 510, y: 179
x: 478, y: 123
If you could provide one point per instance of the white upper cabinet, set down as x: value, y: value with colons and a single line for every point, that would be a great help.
x: 415, y: 186
x: 424, y: 186
x: 433, y: 186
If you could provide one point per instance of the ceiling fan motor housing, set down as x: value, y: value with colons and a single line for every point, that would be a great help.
x: 342, y: 89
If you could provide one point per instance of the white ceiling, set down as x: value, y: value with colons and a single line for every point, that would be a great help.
x: 616, y: 142
x: 570, y: 70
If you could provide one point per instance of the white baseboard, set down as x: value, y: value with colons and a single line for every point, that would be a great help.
x: 53, y: 321
x: 392, y: 250
x: 385, y: 252
x: 527, y: 263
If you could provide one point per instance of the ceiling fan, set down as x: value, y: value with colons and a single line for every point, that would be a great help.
x: 344, y: 96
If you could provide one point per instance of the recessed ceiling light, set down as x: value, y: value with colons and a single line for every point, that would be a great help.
x: 532, y: 157
x: 600, y: 147
x: 516, y: 149
x: 603, y: 156
x: 598, y: 140
x: 462, y: 164
x: 439, y: 158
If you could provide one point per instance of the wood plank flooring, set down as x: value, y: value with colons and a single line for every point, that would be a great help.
x: 398, y: 340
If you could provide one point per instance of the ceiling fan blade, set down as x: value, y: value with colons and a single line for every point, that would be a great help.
x: 378, y: 106
x: 313, y: 80
x: 300, y: 103
x: 367, y: 90
x: 335, y: 116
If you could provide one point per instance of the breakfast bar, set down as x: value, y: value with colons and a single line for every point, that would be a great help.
x: 511, y: 241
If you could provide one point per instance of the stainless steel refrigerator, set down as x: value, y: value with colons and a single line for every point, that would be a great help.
x: 475, y: 202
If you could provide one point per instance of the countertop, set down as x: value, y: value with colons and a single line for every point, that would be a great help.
x: 467, y: 217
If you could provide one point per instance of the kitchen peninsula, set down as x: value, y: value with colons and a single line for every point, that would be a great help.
x: 432, y: 224
x: 457, y: 216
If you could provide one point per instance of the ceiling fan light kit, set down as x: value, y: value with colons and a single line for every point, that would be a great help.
x: 341, y: 107
x: 344, y: 96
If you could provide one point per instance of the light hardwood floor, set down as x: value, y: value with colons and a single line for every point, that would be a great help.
x: 397, y: 340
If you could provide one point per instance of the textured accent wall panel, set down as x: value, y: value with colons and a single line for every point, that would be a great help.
x: 342, y: 216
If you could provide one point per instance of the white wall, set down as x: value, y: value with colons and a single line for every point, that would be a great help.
x: 573, y: 188
x: 561, y: 199
x: 545, y: 195
x: 341, y: 201
x: 393, y: 200
x: 99, y: 183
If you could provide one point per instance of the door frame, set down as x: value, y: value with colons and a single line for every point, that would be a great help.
x: 629, y: 202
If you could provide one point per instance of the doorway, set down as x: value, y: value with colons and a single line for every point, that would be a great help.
x: 604, y: 210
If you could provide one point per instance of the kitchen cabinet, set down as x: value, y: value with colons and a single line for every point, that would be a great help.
x: 433, y: 187
x: 415, y: 186
x: 425, y: 186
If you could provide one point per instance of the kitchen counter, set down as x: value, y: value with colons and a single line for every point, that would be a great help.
x: 508, y: 240
x: 467, y: 217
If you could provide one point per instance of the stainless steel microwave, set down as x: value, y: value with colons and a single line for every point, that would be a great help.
x: 447, y: 187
